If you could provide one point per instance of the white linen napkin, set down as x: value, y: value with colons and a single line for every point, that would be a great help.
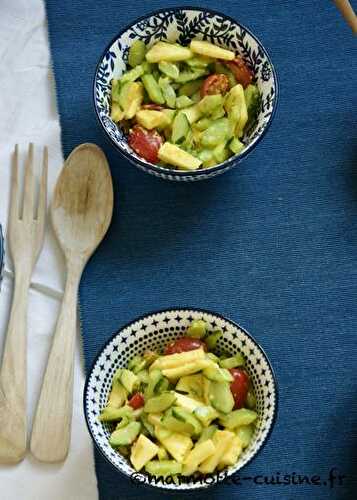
x: 28, y: 114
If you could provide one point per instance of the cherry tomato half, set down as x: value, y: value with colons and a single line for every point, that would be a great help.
x: 136, y: 401
x: 152, y: 105
x: 184, y: 344
x: 239, y: 386
x: 145, y: 143
x: 215, y: 84
x: 240, y: 70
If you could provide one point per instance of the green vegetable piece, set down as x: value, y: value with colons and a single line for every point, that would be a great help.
x: 220, y: 396
x: 176, y: 425
x: 136, y: 364
x: 132, y: 74
x: 245, y: 434
x: 212, y: 356
x: 217, y: 374
x: 110, y: 414
x: 147, y: 425
x: 251, y: 400
x: 168, y: 92
x: 236, y: 146
x: 154, y: 378
x: 125, y: 435
x: 190, y: 88
x: 215, y: 133
x: 207, y: 433
x: 222, y: 69
x: 221, y: 153
x: 218, y: 113
x: 163, y: 468
x: 233, y: 362
x: 192, y: 113
x: 180, y: 127
x: 196, y: 97
x: 212, y: 339
x: 187, y: 417
x: 150, y: 357
x: 137, y: 53
x: 143, y: 376
x: 147, y: 67
x: 169, y: 69
x: 152, y: 88
x: 118, y: 394
x: 252, y: 100
x: 199, y: 61
x: 236, y: 418
x: 203, y: 124
x: 156, y: 74
x: 123, y: 94
x: 162, y: 453
x: 124, y: 450
x: 197, y: 329
x: 205, y: 414
x: 191, y: 384
x: 210, y: 103
x: 162, y: 385
x: 187, y: 76
x: 115, y: 90
x: 160, y: 403
x: 183, y: 102
x: 123, y: 423
x: 129, y: 380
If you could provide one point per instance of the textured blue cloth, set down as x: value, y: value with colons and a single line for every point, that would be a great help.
x: 272, y: 244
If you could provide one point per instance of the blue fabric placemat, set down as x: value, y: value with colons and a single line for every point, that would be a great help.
x: 272, y: 244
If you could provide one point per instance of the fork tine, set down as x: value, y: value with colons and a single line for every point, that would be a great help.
x: 14, y: 194
x: 28, y: 205
x: 42, y: 201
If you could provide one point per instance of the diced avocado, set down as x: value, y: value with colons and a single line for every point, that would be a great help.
x: 187, y: 417
x: 170, y: 422
x: 221, y: 440
x: 200, y: 453
x: 160, y: 403
x: 245, y: 434
x: 163, y: 51
x: 221, y: 397
x: 237, y: 418
x: 163, y: 468
x: 210, y: 50
x: 118, y: 394
x: 146, y: 424
x: 233, y: 361
x: 197, y: 329
x: 190, y: 368
x: 151, y: 118
x: 176, y: 360
x: 180, y: 127
x: 126, y: 435
x: 230, y: 456
x: 154, y: 418
x: 210, y: 103
x: 142, y: 451
x: 212, y: 338
x: 116, y: 113
x: 152, y: 88
x: 129, y: 380
x: 173, y: 155
x: 193, y: 113
x: 154, y: 378
x: 192, y: 384
x: 221, y: 153
x: 235, y: 97
x: 162, y: 453
x: 169, y: 69
x: 136, y: 53
x: 132, y: 75
x: 176, y: 443
x: 207, y: 433
x: 215, y: 373
x: 111, y: 414
x: 205, y: 414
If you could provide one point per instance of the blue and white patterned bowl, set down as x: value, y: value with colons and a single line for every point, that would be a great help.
x: 181, y: 25
x: 155, y: 331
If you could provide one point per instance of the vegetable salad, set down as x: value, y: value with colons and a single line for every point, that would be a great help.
x: 185, y: 107
x: 184, y: 411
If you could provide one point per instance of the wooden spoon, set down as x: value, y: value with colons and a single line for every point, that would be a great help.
x: 81, y: 212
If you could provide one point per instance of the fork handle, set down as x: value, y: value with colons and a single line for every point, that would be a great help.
x: 51, y: 432
x: 13, y: 376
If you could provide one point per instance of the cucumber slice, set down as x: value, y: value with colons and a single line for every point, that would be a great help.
x: 159, y: 403
x: 187, y: 417
x: 180, y: 127
x: 126, y: 435
x: 136, y: 53
x: 212, y: 338
x: 232, y: 362
x: 243, y: 416
x: 220, y: 396
x: 163, y: 468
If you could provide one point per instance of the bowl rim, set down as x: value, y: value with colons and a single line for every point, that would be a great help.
x: 235, y: 159
x: 187, y: 309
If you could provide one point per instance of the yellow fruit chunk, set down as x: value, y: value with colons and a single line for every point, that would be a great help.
x: 173, y: 155
x: 142, y: 451
x: 221, y: 440
x: 232, y: 453
x: 164, y: 51
x: 208, y: 49
x: 199, y: 454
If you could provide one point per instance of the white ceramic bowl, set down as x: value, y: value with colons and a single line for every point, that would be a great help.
x: 180, y: 25
x: 155, y: 331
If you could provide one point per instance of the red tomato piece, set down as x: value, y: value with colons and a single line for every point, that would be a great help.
x: 145, y: 143
x: 215, y: 84
x: 184, y: 344
x: 136, y: 401
x: 240, y: 70
x: 152, y: 105
x: 239, y: 386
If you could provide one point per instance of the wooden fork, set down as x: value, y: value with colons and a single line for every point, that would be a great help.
x: 25, y: 236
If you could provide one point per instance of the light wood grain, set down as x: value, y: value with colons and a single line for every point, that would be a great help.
x: 25, y: 236
x: 81, y: 213
x: 348, y: 13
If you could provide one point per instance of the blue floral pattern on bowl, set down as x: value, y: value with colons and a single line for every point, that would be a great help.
x: 155, y: 331
x: 182, y: 25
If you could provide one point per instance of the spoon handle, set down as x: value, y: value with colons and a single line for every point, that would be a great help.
x: 51, y: 433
